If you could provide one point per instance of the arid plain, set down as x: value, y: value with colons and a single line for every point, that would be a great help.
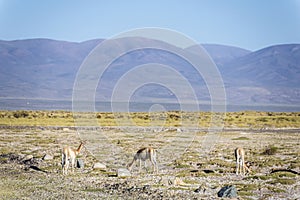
x: 186, y: 169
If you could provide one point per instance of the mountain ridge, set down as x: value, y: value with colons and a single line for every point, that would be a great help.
x: 46, y: 68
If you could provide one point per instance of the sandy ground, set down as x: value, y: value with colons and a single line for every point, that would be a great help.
x: 190, y: 165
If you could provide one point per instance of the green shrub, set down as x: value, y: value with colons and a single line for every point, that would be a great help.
x: 241, y: 138
x: 21, y: 114
x: 271, y: 150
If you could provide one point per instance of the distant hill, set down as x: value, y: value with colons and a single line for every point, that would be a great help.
x: 272, y: 66
x: 269, y: 75
x: 222, y: 54
x: 40, y: 68
x: 44, y: 68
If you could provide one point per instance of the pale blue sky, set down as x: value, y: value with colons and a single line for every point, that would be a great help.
x: 250, y: 24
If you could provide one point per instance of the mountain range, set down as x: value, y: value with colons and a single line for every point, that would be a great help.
x: 46, y: 69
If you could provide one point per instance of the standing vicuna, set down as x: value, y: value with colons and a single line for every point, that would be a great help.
x: 69, y: 155
x: 239, y: 154
x: 144, y: 154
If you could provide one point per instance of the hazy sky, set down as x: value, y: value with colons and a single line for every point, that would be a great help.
x: 250, y: 24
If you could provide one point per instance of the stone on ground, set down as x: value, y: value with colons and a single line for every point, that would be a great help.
x: 228, y: 191
x: 47, y: 157
x: 80, y: 163
x: 123, y: 172
x: 99, y: 166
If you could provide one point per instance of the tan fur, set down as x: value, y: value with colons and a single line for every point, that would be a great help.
x: 144, y: 154
x: 240, y: 161
x: 69, y: 155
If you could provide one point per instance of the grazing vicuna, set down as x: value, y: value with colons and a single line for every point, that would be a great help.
x: 69, y: 155
x: 144, y: 154
x: 239, y: 154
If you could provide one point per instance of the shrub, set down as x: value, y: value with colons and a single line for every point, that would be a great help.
x: 241, y: 138
x: 21, y: 114
x: 271, y: 150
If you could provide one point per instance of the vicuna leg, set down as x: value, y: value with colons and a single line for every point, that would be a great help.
x: 237, y: 164
x: 243, y: 165
x: 73, y: 164
x: 65, y: 165
x: 240, y: 161
x: 153, y: 161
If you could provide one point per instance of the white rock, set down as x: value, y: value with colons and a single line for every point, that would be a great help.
x: 28, y: 157
x: 99, y: 166
x: 66, y: 129
x: 123, y: 172
x: 47, y: 157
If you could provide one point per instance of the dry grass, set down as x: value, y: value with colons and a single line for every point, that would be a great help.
x: 247, y: 119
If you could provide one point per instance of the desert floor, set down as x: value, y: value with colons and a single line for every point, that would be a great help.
x: 190, y: 165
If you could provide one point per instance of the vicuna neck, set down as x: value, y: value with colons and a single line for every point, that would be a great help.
x: 79, y: 148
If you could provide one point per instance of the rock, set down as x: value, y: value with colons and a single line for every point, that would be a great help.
x: 228, y: 191
x: 208, y: 171
x: 179, y: 130
x: 30, y: 160
x: 37, y: 168
x: 47, y: 157
x: 198, y: 190
x: 166, y: 181
x: 27, y: 158
x: 99, y: 166
x: 201, y: 189
x: 80, y: 164
x: 178, y: 182
x: 10, y: 157
x: 123, y: 172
